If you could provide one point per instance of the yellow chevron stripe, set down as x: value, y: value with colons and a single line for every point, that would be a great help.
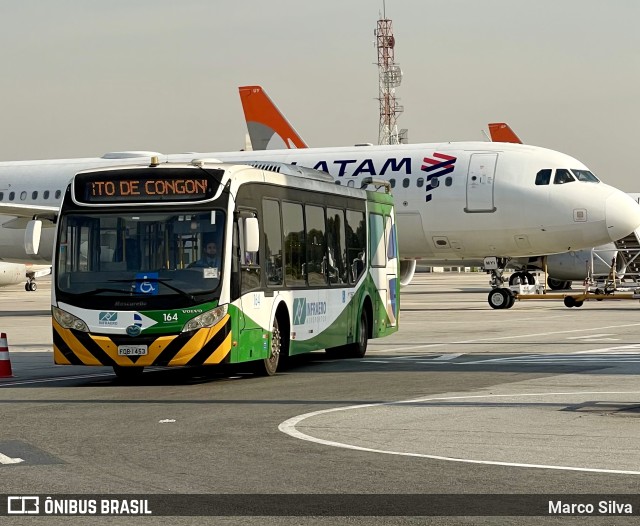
x: 74, y: 345
x: 59, y: 358
x: 220, y: 352
x: 197, y: 342
x: 155, y: 349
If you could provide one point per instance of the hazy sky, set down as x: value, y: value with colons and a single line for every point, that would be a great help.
x: 83, y: 77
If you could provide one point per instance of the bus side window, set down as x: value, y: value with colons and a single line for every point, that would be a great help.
x: 356, y: 242
x: 316, y: 252
x: 249, y: 264
x: 294, y: 244
x: 336, y: 270
x: 272, y: 242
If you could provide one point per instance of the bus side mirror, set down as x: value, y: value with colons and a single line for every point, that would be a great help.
x: 32, y: 236
x: 251, y: 234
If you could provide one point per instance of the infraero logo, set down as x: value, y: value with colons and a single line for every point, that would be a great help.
x: 441, y: 165
x: 299, y: 311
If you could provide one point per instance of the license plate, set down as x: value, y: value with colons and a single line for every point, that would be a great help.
x: 132, y: 350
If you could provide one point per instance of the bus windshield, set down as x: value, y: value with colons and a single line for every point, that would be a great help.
x: 148, y: 255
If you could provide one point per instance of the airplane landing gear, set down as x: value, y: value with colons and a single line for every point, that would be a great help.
x: 30, y: 286
x: 501, y: 298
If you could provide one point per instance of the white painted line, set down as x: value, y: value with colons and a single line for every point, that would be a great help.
x: 58, y: 379
x: 4, y: 459
x: 633, y: 346
x: 374, y: 361
x: 446, y: 357
x: 289, y: 427
x: 589, y: 336
x: 512, y: 337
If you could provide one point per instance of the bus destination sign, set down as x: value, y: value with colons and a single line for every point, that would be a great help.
x: 145, y: 185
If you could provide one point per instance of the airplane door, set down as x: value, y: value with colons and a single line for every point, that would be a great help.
x: 480, y: 181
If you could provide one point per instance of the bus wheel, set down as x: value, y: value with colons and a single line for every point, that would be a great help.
x: 269, y: 366
x: 359, y: 348
x: 127, y: 373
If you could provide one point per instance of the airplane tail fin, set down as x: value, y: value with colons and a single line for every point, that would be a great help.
x: 502, y: 132
x: 268, y: 129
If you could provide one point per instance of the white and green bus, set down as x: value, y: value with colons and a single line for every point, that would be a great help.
x: 298, y: 264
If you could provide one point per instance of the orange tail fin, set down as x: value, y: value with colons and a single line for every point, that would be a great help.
x: 501, y: 132
x: 268, y: 129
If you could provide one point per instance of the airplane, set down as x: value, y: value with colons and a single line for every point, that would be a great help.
x: 265, y: 121
x: 570, y: 266
x: 456, y: 201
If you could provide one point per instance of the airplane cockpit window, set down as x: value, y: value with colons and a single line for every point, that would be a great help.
x: 543, y: 177
x: 563, y: 176
x: 585, y: 176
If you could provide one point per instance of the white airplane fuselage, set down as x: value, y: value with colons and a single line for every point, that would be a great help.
x: 454, y: 201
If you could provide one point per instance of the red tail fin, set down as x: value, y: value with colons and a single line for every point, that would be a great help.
x: 501, y: 132
x: 268, y: 129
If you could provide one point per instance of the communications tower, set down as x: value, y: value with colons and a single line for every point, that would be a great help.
x: 389, y: 78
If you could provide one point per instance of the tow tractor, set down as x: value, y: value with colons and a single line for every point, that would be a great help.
x: 527, y: 286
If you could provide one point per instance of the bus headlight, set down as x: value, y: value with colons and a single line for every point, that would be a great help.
x: 206, y: 319
x: 68, y: 321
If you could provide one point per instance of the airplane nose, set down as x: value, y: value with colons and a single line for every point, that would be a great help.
x: 622, y: 215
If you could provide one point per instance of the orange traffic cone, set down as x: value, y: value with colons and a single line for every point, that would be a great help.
x: 5, y: 362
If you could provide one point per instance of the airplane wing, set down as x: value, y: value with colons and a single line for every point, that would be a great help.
x: 502, y: 132
x: 268, y: 128
x: 23, y: 213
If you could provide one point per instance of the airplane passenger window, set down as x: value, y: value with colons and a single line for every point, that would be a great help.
x: 435, y: 182
x: 392, y: 182
x: 34, y: 195
x: 563, y: 176
x: 585, y: 175
x: 405, y: 182
x: 448, y: 181
x: 23, y: 195
x: 46, y: 194
x: 58, y: 194
x: 543, y: 177
x: 12, y: 196
x: 1, y: 196
x: 420, y: 182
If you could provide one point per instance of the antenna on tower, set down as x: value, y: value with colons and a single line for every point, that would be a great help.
x: 389, y: 78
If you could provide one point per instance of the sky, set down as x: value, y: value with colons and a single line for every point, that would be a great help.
x: 84, y: 77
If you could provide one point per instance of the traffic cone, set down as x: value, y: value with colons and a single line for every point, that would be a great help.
x: 5, y: 362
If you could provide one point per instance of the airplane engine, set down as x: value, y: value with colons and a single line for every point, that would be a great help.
x: 407, y: 270
x: 12, y: 273
x: 564, y: 268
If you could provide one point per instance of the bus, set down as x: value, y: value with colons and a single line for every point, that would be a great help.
x: 205, y: 263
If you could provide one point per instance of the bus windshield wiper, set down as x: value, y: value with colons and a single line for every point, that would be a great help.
x: 191, y: 297
x: 100, y: 291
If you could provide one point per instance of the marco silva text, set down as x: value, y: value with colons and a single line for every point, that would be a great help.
x: 602, y: 507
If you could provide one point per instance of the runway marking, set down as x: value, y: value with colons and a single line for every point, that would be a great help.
x: 512, y: 337
x: 591, y: 336
x: 4, y: 459
x: 447, y: 357
x: 289, y: 427
x: 58, y: 379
